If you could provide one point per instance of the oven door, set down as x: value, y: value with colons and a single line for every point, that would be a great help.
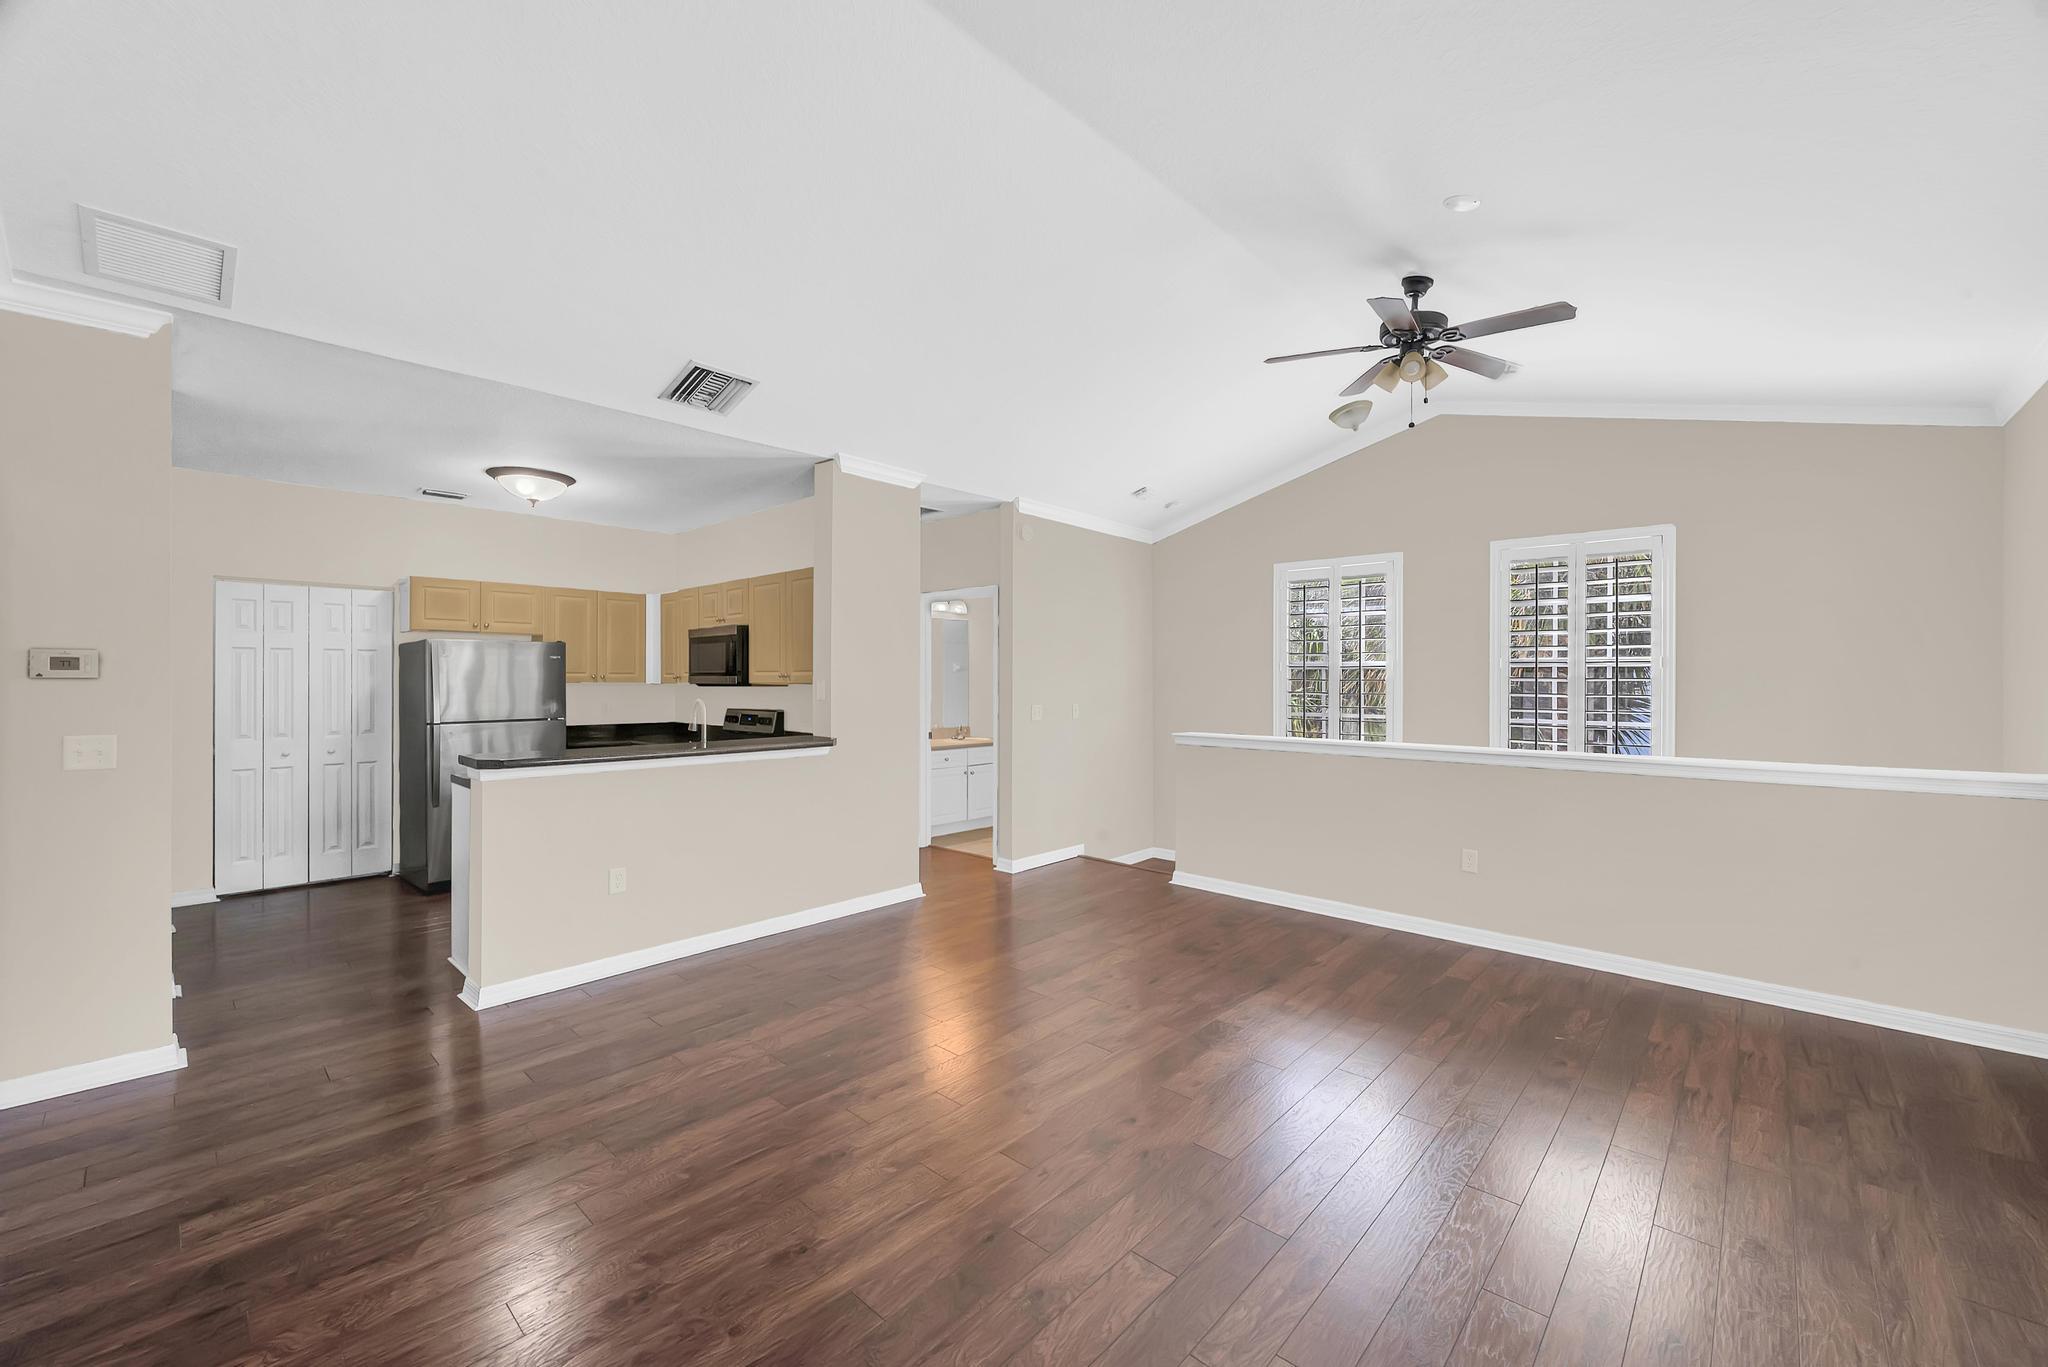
x: 718, y: 655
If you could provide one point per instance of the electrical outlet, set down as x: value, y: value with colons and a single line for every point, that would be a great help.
x: 1038, y: 711
x: 1469, y: 861
x: 88, y: 752
x: 618, y: 881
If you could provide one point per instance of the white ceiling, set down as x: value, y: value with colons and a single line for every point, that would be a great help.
x: 270, y: 406
x: 1039, y: 250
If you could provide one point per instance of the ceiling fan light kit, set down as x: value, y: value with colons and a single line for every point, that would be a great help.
x: 1422, y: 338
x: 1351, y: 416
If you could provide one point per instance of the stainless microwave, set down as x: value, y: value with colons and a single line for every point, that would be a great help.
x: 718, y: 655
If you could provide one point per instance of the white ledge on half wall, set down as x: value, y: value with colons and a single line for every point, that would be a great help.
x: 1958, y: 782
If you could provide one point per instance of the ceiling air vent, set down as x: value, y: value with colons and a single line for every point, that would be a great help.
x: 134, y: 253
x: 448, y: 494
x: 712, y: 390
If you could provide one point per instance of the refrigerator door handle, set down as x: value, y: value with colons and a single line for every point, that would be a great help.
x: 433, y: 768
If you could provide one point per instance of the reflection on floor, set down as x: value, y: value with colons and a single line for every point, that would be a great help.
x: 981, y: 840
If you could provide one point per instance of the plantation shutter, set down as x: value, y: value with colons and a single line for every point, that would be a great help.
x: 1339, y: 674
x: 1583, y: 642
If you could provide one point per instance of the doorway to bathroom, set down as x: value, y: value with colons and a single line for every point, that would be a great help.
x: 958, y: 744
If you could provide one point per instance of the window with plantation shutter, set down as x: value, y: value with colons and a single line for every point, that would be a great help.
x: 1337, y: 652
x: 1582, y: 642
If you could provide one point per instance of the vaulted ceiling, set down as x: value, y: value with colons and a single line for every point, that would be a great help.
x: 1040, y: 250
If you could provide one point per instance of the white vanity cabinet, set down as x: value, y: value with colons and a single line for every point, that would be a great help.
x: 963, y: 788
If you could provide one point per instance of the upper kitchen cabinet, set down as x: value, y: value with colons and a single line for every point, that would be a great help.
x: 444, y: 605
x: 768, y: 629
x: 512, y: 609
x: 802, y: 609
x: 571, y: 617
x: 675, y: 637
x: 735, y: 606
x: 622, y: 638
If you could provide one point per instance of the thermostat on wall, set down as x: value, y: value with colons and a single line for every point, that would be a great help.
x: 62, y: 662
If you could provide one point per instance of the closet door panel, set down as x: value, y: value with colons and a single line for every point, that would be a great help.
x: 330, y: 802
x: 370, y: 724
x: 285, y: 769
x: 237, y: 737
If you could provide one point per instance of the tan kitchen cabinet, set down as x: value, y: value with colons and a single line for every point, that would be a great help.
x: 511, y: 609
x: 622, y: 638
x: 571, y: 617
x: 710, y: 604
x: 445, y: 605
x: 675, y: 637
x: 768, y: 629
x: 733, y: 603
x: 802, y: 614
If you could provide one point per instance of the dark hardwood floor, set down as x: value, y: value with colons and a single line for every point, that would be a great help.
x: 1075, y: 1116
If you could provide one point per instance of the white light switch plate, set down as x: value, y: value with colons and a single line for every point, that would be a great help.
x: 88, y: 752
x: 1038, y: 711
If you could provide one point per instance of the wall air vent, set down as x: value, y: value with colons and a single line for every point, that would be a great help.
x: 712, y: 390
x: 135, y: 253
x: 448, y: 494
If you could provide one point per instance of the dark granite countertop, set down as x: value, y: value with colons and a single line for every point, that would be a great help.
x: 642, y: 750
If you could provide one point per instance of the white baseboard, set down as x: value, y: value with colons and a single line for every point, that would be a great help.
x: 479, y: 997
x: 83, y: 1077
x: 197, y: 897
x: 2001, y: 1037
x: 1038, y: 861
x: 1140, y: 856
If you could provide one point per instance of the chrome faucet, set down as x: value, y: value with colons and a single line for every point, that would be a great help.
x: 701, y: 715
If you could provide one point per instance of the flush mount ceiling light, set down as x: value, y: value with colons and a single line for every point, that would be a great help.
x: 1352, y: 415
x: 535, y: 486
x: 1461, y: 204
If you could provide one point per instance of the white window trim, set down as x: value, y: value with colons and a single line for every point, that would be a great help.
x: 1387, y: 563
x: 1662, y: 542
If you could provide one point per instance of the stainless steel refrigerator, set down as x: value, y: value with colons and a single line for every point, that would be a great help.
x: 463, y: 696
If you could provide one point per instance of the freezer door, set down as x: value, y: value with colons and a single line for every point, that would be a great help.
x: 475, y: 680
x: 446, y: 743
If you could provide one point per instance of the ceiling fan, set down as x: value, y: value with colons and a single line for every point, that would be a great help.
x: 1420, y: 339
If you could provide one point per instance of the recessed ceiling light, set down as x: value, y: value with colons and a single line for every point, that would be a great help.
x: 1461, y: 204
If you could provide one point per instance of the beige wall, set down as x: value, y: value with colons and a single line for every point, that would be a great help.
x: 2026, y: 587
x: 958, y: 552
x: 712, y: 846
x: 1930, y: 903
x: 225, y: 527
x: 1806, y: 553
x: 85, y: 547
x: 1075, y: 632
x: 767, y: 542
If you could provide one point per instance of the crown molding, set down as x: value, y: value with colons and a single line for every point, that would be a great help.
x: 86, y: 310
x: 2027, y: 381
x: 1847, y: 415
x: 18, y: 294
x: 877, y: 471
x: 1031, y: 507
x: 1287, y: 474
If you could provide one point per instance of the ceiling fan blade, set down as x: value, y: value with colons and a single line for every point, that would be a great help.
x: 1333, y: 351
x: 1478, y: 362
x: 1364, y: 382
x: 1520, y: 318
x: 1395, y: 314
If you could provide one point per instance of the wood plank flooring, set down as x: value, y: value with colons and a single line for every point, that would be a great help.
x: 1075, y: 1116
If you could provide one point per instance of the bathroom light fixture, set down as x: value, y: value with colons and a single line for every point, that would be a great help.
x: 535, y: 486
x: 1352, y: 415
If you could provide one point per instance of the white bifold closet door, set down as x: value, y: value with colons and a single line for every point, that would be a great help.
x: 302, y: 734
